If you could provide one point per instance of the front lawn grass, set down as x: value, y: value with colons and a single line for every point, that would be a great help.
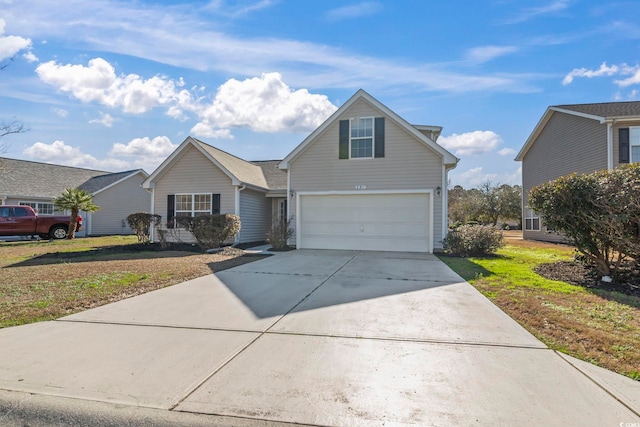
x: 42, y: 280
x: 599, y: 327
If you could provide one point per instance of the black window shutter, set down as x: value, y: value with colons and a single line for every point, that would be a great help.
x: 623, y: 145
x: 343, y: 145
x: 379, y: 137
x: 215, y: 198
x: 171, y: 210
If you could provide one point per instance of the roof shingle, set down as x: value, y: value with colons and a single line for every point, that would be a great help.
x: 605, y: 109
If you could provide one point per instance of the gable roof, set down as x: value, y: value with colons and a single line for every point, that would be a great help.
x: 448, y: 158
x: 602, y: 112
x: 100, y: 183
x: 241, y: 172
x: 23, y: 178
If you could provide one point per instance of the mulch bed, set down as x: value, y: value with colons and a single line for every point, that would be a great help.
x: 583, y: 275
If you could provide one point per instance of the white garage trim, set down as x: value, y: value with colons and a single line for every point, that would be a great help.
x: 426, y: 192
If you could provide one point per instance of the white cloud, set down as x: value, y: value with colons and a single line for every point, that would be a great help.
x: 354, y: 11
x: 30, y: 57
x: 506, y: 151
x: 98, y: 83
x: 474, y: 177
x: 11, y: 45
x: 105, y: 119
x: 264, y: 104
x: 159, y: 147
x: 237, y: 8
x: 61, y: 112
x: 534, y: 12
x: 206, y: 130
x: 487, y: 53
x: 628, y: 70
x: 60, y: 153
x: 470, y: 143
x: 139, y: 153
x: 604, y: 70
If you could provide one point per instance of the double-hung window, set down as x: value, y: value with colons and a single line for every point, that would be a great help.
x: 531, y: 220
x: 361, y: 137
x: 42, y: 208
x: 634, y: 143
x: 191, y: 205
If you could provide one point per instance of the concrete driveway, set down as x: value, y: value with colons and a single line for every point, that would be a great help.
x: 316, y: 337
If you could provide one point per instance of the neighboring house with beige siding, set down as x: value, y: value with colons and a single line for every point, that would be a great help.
x: 365, y: 180
x: 200, y: 179
x: 36, y: 184
x: 580, y: 138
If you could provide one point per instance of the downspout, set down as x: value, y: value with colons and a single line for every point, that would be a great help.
x: 239, y: 188
x: 445, y: 201
x: 610, y: 145
x: 152, y: 233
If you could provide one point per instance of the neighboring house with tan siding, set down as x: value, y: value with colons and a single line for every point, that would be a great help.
x: 36, y: 184
x: 198, y: 178
x: 580, y: 138
x: 365, y: 180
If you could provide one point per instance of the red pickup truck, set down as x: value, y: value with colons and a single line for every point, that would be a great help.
x: 24, y: 221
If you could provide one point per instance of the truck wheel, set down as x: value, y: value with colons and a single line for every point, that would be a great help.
x: 58, y: 232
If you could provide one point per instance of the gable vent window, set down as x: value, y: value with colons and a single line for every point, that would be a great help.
x: 361, y: 138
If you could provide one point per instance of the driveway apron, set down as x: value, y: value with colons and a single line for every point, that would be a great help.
x: 322, y: 338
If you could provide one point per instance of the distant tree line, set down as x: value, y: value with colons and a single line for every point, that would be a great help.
x: 491, y: 204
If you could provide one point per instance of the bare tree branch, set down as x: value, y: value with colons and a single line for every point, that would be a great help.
x: 13, y: 126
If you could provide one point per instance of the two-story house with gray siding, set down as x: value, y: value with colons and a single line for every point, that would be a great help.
x: 580, y: 138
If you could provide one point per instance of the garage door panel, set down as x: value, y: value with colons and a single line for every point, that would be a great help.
x: 396, y: 222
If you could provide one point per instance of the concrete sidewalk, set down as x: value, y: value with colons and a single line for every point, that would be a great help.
x: 310, y: 337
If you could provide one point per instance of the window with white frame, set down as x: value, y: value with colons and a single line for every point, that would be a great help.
x: 634, y: 144
x: 191, y: 205
x: 531, y: 220
x: 361, y: 137
x: 42, y: 208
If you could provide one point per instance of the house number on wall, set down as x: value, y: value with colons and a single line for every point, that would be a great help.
x: 361, y: 187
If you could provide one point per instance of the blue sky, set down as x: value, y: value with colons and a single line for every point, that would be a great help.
x: 117, y: 85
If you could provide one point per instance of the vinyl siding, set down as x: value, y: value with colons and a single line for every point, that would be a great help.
x: 116, y: 203
x: 192, y: 172
x: 567, y: 144
x: 408, y: 165
x: 255, y: 216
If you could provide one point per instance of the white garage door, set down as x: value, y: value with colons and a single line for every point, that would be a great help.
x: 379, y: 222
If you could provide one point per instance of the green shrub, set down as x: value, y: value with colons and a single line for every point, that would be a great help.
x: 598, y: 213
x: 141, y: 222
x: 279, y: 233
x: 473, y: 240
x: 211, y: 231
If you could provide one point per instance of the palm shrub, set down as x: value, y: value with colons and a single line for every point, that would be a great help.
x: 75, y: 200
x: 211, y: 231
x: 473, y: 240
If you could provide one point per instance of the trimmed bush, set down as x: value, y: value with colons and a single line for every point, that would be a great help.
x: 141, y: 222
x: 473, y: 240
x: 279, y: 233
x: 211, y: 231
